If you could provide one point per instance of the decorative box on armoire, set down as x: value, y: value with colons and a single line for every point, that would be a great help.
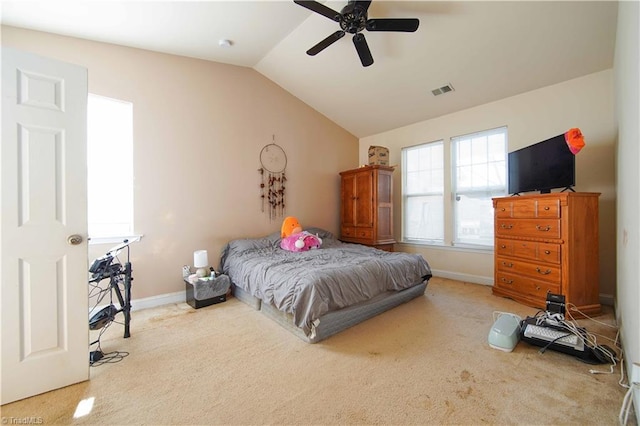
x: 366, y: 209
x: 548, y: 243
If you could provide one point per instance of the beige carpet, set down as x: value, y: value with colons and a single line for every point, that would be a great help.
x: 425, y: 362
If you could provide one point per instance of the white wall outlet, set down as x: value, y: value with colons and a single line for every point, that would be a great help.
x: 186, y: 271
x: 635, y: 372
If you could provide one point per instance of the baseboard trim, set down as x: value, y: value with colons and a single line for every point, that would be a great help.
x: 180, y: 296
x: 462, y: 277
x: 159, y: 300
x: 607, y: 299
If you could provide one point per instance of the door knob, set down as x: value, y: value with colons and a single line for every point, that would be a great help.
x: 74, y: 239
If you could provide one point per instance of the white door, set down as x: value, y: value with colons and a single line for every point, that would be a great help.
x: 45, y: 334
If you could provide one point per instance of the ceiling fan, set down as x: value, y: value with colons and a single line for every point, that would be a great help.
x: 353, y: 19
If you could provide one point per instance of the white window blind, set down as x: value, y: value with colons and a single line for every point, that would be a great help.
x: 479, y: 165
x: 423, y: 189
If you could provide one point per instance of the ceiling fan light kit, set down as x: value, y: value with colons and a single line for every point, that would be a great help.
x: 353, y: 19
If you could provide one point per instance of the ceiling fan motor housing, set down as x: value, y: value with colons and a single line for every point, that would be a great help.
x: 353, y: 18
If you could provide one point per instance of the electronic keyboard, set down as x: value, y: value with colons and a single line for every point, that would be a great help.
x: 554, y: 338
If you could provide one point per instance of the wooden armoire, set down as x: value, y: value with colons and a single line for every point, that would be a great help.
x: 366, y: 209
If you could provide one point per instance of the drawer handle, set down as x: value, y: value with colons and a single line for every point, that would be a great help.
x: 537, y: 288
x: 503, y: 226
x: 546, y: 208
x: 506, y: 281
x: 547, y: 252
x: 503, y: 246
x: 502, y: 209
x: 508, y: 265
x: 540, y: 271
x: 543, y: 229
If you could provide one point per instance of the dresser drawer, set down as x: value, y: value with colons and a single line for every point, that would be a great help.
x: 549, y: 252
x: 543, y: 208
x: 537, y: 270
x: 525, y: 209
x: 503, y: 208
x: 531, y: 228
x: 528, y: 209
x: 356, y: 232
x: 525, y: 286
x: 548, y: 208
x: 531, y: 250
x: 504, y: 247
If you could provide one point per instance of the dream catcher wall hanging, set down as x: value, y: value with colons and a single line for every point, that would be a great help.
x: 273, y: 178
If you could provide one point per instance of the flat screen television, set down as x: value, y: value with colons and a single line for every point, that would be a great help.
x: 542, y: 167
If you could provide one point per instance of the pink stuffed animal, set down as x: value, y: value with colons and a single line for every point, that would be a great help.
x: 295, y: 239
x: 302, y: 241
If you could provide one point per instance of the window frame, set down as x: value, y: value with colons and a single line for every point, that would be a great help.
x: 450, y: 190
x: 127, y: 194
x: 485, y: 192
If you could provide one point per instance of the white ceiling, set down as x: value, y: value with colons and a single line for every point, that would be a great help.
x: 486, y: 50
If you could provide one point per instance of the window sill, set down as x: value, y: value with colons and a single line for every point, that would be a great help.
x: 114, y: 240
x: 442, y: 246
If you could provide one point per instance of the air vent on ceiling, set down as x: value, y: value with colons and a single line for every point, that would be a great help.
x: 443, y: 89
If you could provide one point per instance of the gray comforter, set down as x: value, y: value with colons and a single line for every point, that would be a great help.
x: 309, y: 284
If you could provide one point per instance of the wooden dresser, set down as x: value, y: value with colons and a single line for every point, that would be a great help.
x: 366, y: 208
x: 548, y: 243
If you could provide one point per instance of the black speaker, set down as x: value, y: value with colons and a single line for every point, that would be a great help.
x: 102, y: 317
x: 555, y: 303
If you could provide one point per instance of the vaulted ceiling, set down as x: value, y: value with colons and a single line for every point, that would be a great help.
x: 486, y: 50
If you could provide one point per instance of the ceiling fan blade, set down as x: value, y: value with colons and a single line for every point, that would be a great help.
x: 407, y: 25
x: 319, y: 8
x: 325, y: 43
x: 363, y: 49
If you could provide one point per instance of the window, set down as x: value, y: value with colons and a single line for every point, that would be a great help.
x: 460, y: 211
x: 423, y: 189
x: 110, y: 167
x: 479, y: 165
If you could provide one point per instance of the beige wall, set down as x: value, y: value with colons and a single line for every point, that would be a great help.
x: 199, y: 127
x: 198, y: 130
x: 627, y: 70
x: 586, y: 103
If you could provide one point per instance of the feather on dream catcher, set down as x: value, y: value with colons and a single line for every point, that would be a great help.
x: 272, y: 186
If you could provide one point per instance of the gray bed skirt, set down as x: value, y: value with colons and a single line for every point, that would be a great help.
x: 337, y: 321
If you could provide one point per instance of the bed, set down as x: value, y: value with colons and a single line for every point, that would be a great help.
x: 318, y: 293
